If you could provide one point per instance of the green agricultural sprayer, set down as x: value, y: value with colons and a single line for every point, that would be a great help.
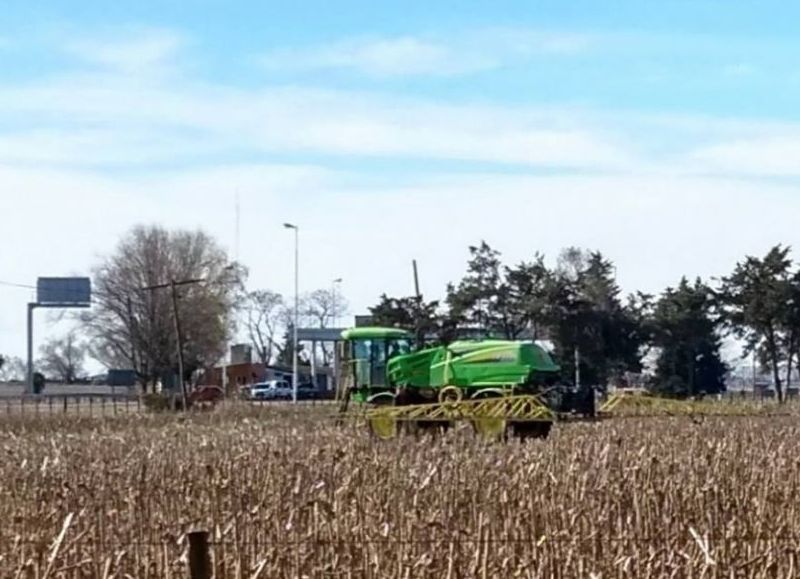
x: 500, y: 387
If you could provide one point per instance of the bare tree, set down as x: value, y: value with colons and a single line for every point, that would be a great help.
x: 265, y: 316
x: 13, y: 370
x: 63, y: 358
x: 322, y: 308
x: 131, y: 328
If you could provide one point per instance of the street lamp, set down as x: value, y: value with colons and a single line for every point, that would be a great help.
x: 296, y: 304
x: 334, y: 295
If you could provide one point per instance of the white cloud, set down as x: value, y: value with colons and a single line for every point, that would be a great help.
x: 123, y: 115
x: 758, y: 155
x: 338, y: 125
x: 399, y: 56
x: 280, y: 119
x: 520, y: 42
x: 124, y: 118
x: 78, y: 147
x: 133, y: 52
x: 467, y: 53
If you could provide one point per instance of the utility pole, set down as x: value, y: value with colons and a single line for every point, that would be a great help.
x: 416, y: 281
x: 418, y: 313
x: 173, y: 285
x: 296, y: 306
x: 577, y: 368
x: 179, y: 336
x: 132, y: 336
x: 31, y: 307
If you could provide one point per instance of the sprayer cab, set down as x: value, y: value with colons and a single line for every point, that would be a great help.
x: 367, y: 352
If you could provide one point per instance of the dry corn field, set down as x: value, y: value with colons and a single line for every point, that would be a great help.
x: 295, y: 495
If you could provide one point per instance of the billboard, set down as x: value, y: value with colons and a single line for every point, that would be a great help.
x: 64, y: 291
x: 363, y: 321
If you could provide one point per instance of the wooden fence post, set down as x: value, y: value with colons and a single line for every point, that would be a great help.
x: 199, y: 556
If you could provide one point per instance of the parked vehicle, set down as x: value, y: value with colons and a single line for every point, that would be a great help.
x: 307, y: 392
x: 271, y: 390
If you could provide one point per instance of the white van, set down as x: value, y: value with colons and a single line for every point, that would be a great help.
x: 271, y: 390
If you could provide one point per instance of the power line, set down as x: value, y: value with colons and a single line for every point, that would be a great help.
x: 16, y: 285
x: 65, y: 291
x: 95, y: 292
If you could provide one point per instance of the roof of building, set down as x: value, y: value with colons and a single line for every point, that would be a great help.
x: 374, y: 333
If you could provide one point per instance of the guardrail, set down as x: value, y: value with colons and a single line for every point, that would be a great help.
x: 113, y: 405
x: 77, y: 404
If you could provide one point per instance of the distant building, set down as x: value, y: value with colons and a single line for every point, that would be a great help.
x: 241, y: 354
x: 243, y: 375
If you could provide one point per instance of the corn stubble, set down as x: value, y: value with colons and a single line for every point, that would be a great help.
x: 287, y: 495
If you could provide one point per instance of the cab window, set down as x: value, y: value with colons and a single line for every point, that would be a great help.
x: 399, y: 348
x: 361, y: 350
x: 378, y: 356
x: 361, y: 362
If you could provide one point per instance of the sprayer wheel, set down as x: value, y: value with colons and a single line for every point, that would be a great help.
x: 383, y: 427
x: 531, y: 430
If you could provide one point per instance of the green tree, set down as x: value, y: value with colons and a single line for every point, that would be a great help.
x: 577, y: 306
x: 757, y: 298
x: 528, y: 293
x: 286, y: 350
x: 413, y: 314
x: 588, y: 317
x: 686, y: 330
x: 480, y: 301
x: 493, y: 300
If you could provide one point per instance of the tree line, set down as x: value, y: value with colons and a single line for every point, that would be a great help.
x: 576, y: 304
x: 579, y: 308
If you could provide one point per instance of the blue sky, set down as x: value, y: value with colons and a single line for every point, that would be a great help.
x: 725, y: 58
x: 663, y: 133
